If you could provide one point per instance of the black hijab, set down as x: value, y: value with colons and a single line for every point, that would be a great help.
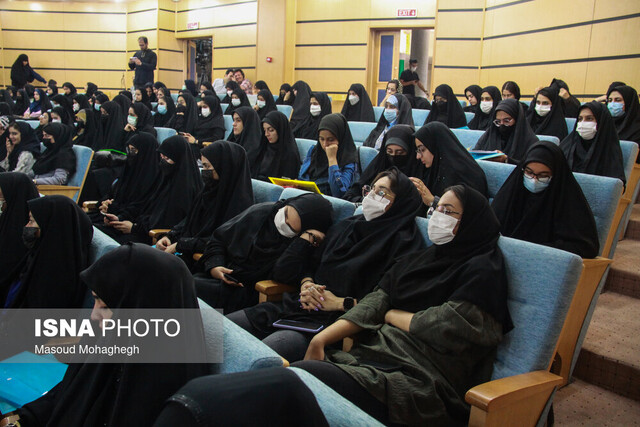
x: 124, y: 103
x: 72, y: 90
x: 112, y: 127
x: 515, y: 143
x: 600, y: 156
x: 66, y: 103
x: 21, y: 104
x: 402, y: 136
x: 89, y: 129
x: 308, y: 128
x: 362, y: 111
x: 251, y: 134
x: 482, y: 121
x: 206, y: 126
x: 270, y: 104
x: 28, y: 142
x: 162, y: 120
x: 19, y: 72
x: 231, y: 85
x: 572, y: 104
x: 452, y: 163
x: 127, y: 94
x: 82, y: 101
x: 301, y: 112
x: 190, y: 86
x: 286, y: 87
x: 404, y: 117
x: 42, y: 105
x: 261, y: 85
x: 628, y: 125
x: 469, y: 268
x: 553, y: 123
x: 477, y: 92
x: 17, y: 189
x: 65, y: 118
x: 60, y: 155
x: 347, y: 151
x: 244, y: 101
x: 7, y: 99
x: 144, y: 98
x: 53, y: 85
x: 49, y: 272
x: 152, y: 97
x: 559, y: 216
x: 92, y: 88
x: 145, y: 119
x: 280, y: 159
x: 449, y: 112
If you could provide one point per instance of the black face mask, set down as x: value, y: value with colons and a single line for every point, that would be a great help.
x: 208, y: 179
x: 442, y: 105
x: 131, y: 156
x: 29, y: 237
x: 47, y: 142
x: 181, y: 109
x: 80, y: 125
x: 166, y: 168
x: 506, y: 131
x: 398, y: 161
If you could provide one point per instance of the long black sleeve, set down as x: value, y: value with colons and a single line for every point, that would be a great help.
x: 214, y: 254
x: 298, y: 261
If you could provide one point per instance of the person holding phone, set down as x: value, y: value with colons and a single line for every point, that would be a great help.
x: 143, y: 62
x: 23, y: 149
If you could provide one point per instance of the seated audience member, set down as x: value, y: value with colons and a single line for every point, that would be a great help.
x: 190, y: 86
x: 570, y: 103
x: 545, y: 116
x: 138, y: 120
x: 260, y: 85
x: 227, y: 192
x: 210, y: 124
x: 237, y: 99
x: 118, y: 394
x: 301, y: 105
x: 245, y: 249
x: 57, y: 237
x: 80, y: 102
x: 511, y: 89
x: 613, y: 85
x: 357, y: 107
x: 230, y: 86
x: 111, y: 121
x: 62, y: 102
x: 593, y: 147
x: 541, y: 202
x: 43, y: 120
x: 489, y: 100
x: 141, y: 96
x: 286, y: 96
x: 397, y: 111
x: 21, y: 105
x: 69, y: 90
x: 277, y: 154
x: 88, y: 129
x: 332, y: 162
x: 446, y: 108
x: 165, y: 110
x: 204, y: 86
x: 265, y: 103
x: 509, y: 133
x: 247, y: 131
x: 473, y: 94
x: 58, y: 162
x: 319, y: 107
x: 347, y: 266
x: 622, y: 102
x: 448, y: 299
x: 186, y: 117
x: 39, y: 105
x: 23, y: 149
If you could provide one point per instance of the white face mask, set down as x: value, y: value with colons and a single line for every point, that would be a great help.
x: 413, y: 69
x: 353, y: 99
x: 261, y: 104
x: 315, y: 110
x: 206, y: 112
x: 76, y: 108
x: 543, y: 110
x: 281, y: 224
x: 229, y: 92
x: 440, y: 228
x: 486, y: 106
x: 56, y: 121
x: 235, y: 102
x: 587, y: 130
x: 374, y: 206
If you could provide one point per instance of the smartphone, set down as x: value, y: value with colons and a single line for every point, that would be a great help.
x: 296, y: 325
x: 103, y: 213
x: 230, y: 278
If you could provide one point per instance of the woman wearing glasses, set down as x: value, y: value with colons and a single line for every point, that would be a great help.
x: 510, y: 132
x: 541, y: 202
x: 332, y: 278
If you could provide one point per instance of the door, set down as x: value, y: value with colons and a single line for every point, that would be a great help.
x: 386, y: 55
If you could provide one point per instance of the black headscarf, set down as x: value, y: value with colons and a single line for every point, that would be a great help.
x: 42, y: 105
x: 347, y: 151
x: 53, y: 85
x: 66, y: 103
x: 270, y: 104
x: 280, y: 159
x: 477, y: 92
x: 469, y: 268
x: 300, y: 105
x: 72, y: 90
x: 308, y: 128
x: 261, y: 85
x: 144, y: 98
x: 49, y: 272
x: 127, y: 94
x: 152, y: 97
x: 362, y: 111
x: 516, y: 142
x: 512, y: 87
x: 600, y: 156
x: 65, y: 118
x: 244, y: 101
x: 206, y: 126
x: 571, y: 104
x: 251, y: 134
x: 132, y: 276
x: 22, y: 103
x: 89, y: 133
x: 82, y: 101
x: 60, y: 155
x: 402, y: 136
x: 124, y: 103
x: 553, y: 123
x: 231, y: 85
x: 101, y: 98
x: 482, y: 121
x: 28, y: 142
x: 92, y: 88
x: 38, y: 129
x: 191, y: 87
x: 452, y: 163
x: 628, y: 125
x: 286, y: 87
x: 559, y: 216
x: 20, y: 72
x: 7, y: 99
x: 17, y: 189
x: 112, y: 127
x: 145, y: 119
x: 190, y: 110
x: 162, y: 120
x: 450, y: 112
x: 404, y: 117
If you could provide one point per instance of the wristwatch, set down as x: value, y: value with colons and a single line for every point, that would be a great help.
x: 348, y: 303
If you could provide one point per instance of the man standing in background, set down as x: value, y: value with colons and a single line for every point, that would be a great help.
x: 144, y: 62
x: 409, y: 79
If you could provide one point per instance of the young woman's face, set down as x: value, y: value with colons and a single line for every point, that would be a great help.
x: 270, y: 133
x: 181, y: 101
x: 149, y: 91
x: 395, y: 150
x: 138, y: 97
x: 616, y: 96
x: 132, y: 112
x: 49, y: 91
x: 50, y: 137
x: 542, y: 100
x: 382, y: 188
x: 392, y: 89
x: 586, y: 115
x: 167, y: 159
x: 36, y: 95
x: 238, y: 126
x: 471, y: 98
x: 206, y: 165
x: 486, y: 97
x: 161, y: 101
x: 66, y: 90
x: 507, y: 95
x: 313, y: 101
x: 14, y: 135
x: 292, y: 218
x: 100, y: 310
x: 453, y: 205
x: 423, y: 154
x: 326, y: 139
x: 55, y: 116
x: 44, y: 119
x: 261, y: 98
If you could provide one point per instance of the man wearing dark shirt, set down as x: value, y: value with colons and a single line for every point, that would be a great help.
x: 409, y: 79
x: 144, y: 62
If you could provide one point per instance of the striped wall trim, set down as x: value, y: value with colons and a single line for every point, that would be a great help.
x: 63, y: 31
x: 168, y: 31
x: 142, y: 11
x: 513, y: 3
x: 64, y: 12
x: 234, y: 67
x: 170, y: 69
x: 142, y: 31
x: 233, y: 47
x: 564, y: 61
x: 562, y: 27
x: 166, y: 10
x: 330, y: 44
x: 220, y: 26
x: 319, y: 21
x: 217, y: 6
x: 119, y: 70
x: 329, y: 69
x: 162, y: 49
x: 458, y: 39
x: 474, y: 9
x: 64, y: 50
x: 456, y: 67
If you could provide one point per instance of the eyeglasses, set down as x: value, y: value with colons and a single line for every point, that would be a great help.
x: 542, y: 177
x: 366, y: 189
x: 443, y: 210
x: 506, y: 122
x: 421, y: 149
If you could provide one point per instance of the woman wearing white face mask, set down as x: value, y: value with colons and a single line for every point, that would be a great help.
x: 237, y: 99
x: 357, y: 107
x: 541, y: 202
x: 319, y: 107
x: 593, y: 147
x: 245, y: 249
x: 397, y: 111
x: 623, y: 104
x: 545, y: 115
x: 210, y: 125
x: 489, y: 100
x: 334, y: 277
x: 265, y: 103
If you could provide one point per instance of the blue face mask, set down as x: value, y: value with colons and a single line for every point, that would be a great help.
x: 162, y: 109
x: 616, y: 109
x: 97, y: 107
x: 534, y: 185
x: 390, y: 114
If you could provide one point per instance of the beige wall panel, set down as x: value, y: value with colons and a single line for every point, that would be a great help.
x: 166, y: 20
x: 601, y: 73
x: 236, y: 14
x: 608, y: 8
x: 456, y: 78
x: 615, y: 38
x: 171, y: 60
x: 459, y: 24
x: 168, y: 40
x: 332, y: 56
x: 466, y: 53
x: 327, y: 80
x: 142, y: 20
x: 528, y: 78
x: 333, y: 32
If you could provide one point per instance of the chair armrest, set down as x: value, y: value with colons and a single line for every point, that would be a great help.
x: 272, y: 291
x: 61, y: 190
x: 158, y: 233
x: 516, y: 400
x: 90, y: 206
x: 206, y: 144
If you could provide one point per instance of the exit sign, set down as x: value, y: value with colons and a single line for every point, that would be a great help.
x: 193, y: 25
x: 407, y: 13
